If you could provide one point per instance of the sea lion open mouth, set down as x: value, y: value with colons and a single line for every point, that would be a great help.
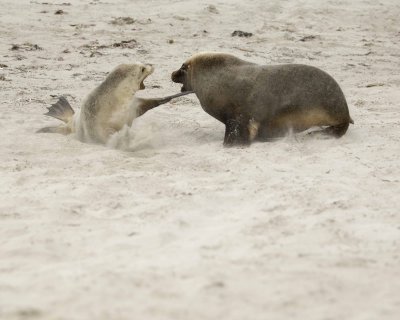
x: 142, y: 86
x: 149, y: 70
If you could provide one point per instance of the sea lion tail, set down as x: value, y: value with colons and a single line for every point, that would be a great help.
x: 61, y: 110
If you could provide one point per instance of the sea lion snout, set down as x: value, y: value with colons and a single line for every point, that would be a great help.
x: 177, y: 76
x: 149, y: 68
x: 180, y: 76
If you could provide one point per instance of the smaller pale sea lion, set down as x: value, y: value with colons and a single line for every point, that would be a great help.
x: 109, y: 107
x: 257, y: 102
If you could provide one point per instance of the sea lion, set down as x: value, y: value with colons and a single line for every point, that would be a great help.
x: 263, y: 102
x: 108, y: 107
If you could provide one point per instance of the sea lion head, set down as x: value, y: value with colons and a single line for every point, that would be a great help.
x: 183, y: 75
x: 201, y: 63
x: 129, y: 78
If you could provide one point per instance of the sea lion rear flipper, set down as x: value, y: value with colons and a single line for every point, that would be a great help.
x: 61, y: 129
x: 61, y: 110
x: 337, y: 130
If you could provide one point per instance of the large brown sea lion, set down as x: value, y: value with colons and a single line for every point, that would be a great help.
x: 264, y: 102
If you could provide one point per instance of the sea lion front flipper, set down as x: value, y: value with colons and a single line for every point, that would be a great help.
x: 238, y: 131
x: 144, y: 105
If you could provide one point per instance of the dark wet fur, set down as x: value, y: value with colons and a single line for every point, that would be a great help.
x: 281, y: 98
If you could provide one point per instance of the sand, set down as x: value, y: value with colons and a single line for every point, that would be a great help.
x: 165, y: 223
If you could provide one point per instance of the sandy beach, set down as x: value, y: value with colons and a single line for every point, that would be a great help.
x: 164, y: 223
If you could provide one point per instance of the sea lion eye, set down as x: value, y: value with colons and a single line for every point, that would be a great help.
x: 184, y: 67
x: 142, y: 69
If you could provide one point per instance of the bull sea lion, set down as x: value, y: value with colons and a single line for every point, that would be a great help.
x: 264, y: 102
x: 108, y: 107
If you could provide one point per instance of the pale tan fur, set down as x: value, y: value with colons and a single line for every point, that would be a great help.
x: 302, y: 120
x: 108, y: 107
x: 253, y: 127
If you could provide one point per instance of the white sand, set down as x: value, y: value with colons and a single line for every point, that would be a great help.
x: 180, y: 227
